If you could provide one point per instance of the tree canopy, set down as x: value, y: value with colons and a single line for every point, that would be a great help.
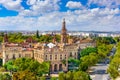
x: 79, y: 75
x: 22, y: 64
x: 87, y: 51
x: 114, y: 66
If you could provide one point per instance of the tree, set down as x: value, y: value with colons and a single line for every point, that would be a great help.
x: 22, y: 64
x: 1, y: 61
x: 61, y: 76
x: 5, y: 76
x: 116, y: 39
x: 73, y: 64
x: 53, y: 78
x: 2, y: 69
x: 1, y: 39
x: 79, y: 75
x: 87, y: 61
x: 104, y: 50
x: 105, y: 40
x: 114, y: 65
x: 24, y: 75
x: 16, y: 37
x: 37, y: 34
x: 87, y: 51
x: 69, y: 75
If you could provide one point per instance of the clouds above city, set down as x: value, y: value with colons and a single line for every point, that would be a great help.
x: 105, y: 3
x: 73, y: 5
x: 99, y: 15
x: 12, y: 4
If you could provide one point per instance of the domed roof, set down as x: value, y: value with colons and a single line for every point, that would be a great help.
x: 51, y: 45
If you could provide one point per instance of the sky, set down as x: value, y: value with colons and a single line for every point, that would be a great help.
x: 45, y: 15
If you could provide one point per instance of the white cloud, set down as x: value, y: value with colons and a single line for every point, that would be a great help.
x: 37, y: 7
x: 31, y: 2
x: 12, y: 5
x: 88, y: 19
x: 73, y: 5
x: 106, y: 3
x: 40, y: 7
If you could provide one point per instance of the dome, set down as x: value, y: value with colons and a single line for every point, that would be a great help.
x: 51, y: 45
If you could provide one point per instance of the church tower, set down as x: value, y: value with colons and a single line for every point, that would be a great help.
x: 5, y: 41
x: 64, y: 32
x: 5, y: 38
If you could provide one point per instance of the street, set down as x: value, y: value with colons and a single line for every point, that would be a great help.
x: 99, y: 71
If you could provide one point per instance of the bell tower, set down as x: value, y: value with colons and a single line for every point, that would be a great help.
x: 5, y: 38
x: 64, y: 32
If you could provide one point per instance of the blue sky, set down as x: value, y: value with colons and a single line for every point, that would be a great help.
x: 84, y: 15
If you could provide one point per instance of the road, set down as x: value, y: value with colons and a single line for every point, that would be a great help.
x: 99, y: 71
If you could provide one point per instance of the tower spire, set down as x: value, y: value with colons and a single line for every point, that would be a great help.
x: 64, y: 32
x: 5, y: 39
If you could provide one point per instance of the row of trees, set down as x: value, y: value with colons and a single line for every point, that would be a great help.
x: 79, y: 75
x: 114, y: 66
x: 18, y: 37
x: 90, y: 56
x: 26, y: 69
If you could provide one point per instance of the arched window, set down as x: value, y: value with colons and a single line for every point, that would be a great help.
x: 45, y: 57
x: 19, y: 55
x: 55, y: 68
x: 75, y: 53
x: 13, y: 56
x: 60, y: 67
x: 70, y: 54
x: 60, y: 57
x: 55, y: 57
x: 50, y: 57
x: 65, y: 56
x: 50, y: 68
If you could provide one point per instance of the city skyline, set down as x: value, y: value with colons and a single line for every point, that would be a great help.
x: 45, y: 15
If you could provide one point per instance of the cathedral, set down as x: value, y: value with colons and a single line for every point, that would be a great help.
x: 56, y: 53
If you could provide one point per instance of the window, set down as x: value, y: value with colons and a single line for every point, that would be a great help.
x: 50, y: 57
x: 70, y: 54
x: 55, y: 67
x: 55, y: 57
x: 45, y: 57
x: 65, y: 56
x: 60, y: 57
x: 13, y: 56
x: 60, y: 67
x: 19, y: 55
x: 75, y: 53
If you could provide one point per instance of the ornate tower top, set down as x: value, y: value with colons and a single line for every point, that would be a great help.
x: 5, y: 37
x: 64, y: 30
